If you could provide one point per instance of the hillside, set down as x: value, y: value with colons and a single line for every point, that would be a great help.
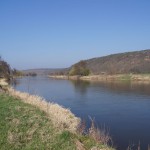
x: 122, y: 63
x: 129, y: 62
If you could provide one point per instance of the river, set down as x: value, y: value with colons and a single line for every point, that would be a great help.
x: 123, y: 108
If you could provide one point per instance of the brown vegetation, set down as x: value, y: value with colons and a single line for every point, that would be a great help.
x: 16, y: 73
x: 61, y: 117
x: 129, y: 62
x: 99, y: 135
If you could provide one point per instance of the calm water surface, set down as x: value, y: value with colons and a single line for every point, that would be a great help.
x: 124, y: 108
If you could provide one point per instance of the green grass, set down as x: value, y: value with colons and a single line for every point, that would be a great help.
x: 144, y: 74
x: 125, y: 77
x: 25, y: 127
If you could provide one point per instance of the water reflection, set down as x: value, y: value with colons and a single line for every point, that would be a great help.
x: 15, y: 82
x: 80, y: 86
x: 125, y: 87
x: 113, y: 86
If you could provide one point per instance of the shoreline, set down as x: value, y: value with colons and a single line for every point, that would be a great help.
x: 61, y: 117
x: 118, y: 77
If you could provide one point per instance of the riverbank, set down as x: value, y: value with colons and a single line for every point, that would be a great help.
x: 29, y: 122
x: 61, y: 117
x: 118, y: 77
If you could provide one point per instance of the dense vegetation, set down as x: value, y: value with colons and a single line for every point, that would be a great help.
x: 5, y: 70
x: 79, y: 69
x: 17, y: 73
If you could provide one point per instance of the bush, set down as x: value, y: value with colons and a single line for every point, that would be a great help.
x: 79, y: 69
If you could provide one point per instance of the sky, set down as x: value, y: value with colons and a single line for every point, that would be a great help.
x: 59, y: 33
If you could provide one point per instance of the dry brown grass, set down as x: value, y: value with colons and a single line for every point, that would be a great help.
x: 61, y: 117
x: 79, y: 145
x: 3, y: 82
x: 136, y: 147
x: 82, y: 128
x: 99, y: 135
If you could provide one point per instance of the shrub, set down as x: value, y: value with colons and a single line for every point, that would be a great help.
x: 5, y: 70
x: 79, y: 69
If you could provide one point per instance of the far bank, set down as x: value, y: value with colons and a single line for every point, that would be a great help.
x: 103, y: 77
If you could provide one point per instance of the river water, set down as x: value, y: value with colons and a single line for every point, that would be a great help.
x: 123, y: 108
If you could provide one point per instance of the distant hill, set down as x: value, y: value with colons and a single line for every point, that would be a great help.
x: 45, y: 71
x: 129, y: 62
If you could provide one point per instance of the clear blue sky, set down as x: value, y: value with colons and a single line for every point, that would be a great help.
x: 58, y: 33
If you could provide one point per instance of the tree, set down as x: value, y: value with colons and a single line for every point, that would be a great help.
x: 5, y: 70
x: 16, y: 72
x: 79, y: 69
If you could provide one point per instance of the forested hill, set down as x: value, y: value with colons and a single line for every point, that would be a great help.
x: 129, y: 62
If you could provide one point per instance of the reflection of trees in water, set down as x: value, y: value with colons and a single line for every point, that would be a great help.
x: 123, y: 86
x: 80, y: 86
x: 113, y: 86
x: 15, y: 82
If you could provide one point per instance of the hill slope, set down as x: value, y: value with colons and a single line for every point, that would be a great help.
x: 122, y: 63
x: 129, y: 62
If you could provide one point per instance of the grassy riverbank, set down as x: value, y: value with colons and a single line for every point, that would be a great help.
x: 24, y: 126
x: 29, y: 122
